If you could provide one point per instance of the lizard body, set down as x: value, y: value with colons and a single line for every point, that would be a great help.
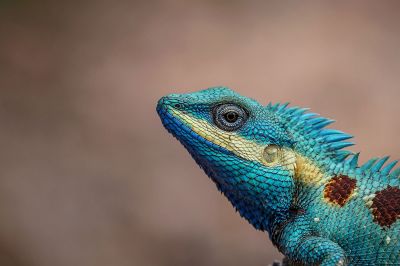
x: 289, y: 175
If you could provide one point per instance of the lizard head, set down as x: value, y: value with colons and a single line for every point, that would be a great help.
x: 239, y: 143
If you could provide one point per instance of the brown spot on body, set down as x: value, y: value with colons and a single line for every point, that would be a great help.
x: 339, y: 189
x: 386, y: 206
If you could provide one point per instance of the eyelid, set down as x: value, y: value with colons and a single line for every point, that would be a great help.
x: 244, y: 108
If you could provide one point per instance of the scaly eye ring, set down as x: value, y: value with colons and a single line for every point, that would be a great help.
x: 229, y: 117
x: 271, y: 154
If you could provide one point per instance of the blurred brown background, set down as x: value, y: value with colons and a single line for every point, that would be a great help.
x: 88, y: 175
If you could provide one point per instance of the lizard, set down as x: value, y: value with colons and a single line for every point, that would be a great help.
x: 290, y: 175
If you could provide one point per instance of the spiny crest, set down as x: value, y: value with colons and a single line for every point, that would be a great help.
x: 309, y: 132
x: 375, y: 165
x: 310, y: 129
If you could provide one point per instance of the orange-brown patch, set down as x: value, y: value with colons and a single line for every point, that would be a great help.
x: 386, y: 206
x: 339, y: 189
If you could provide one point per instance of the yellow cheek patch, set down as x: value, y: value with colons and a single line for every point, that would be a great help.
x: 229, y: 140
x: 235, y: 143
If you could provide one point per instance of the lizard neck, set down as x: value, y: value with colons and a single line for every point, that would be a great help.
x: 259, y: 212
x: 253, y: 211
x: 263, y: 198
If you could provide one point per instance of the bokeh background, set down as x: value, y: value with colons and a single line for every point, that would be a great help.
x: 89, y: 177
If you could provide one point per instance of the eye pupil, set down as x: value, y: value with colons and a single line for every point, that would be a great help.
x: 231, y: 117
x: 177, y: 105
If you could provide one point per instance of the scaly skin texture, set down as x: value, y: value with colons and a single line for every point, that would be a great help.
x: 288, y: 175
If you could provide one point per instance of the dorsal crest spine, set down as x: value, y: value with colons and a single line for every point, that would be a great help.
x: 308, y: 127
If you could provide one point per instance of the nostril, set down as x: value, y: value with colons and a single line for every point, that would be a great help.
x: 170, y: 101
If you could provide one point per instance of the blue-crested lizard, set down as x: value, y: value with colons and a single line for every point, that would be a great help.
x: 289, y: 175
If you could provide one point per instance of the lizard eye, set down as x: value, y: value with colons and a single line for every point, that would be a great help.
x: 271, y: 153
x: 229, y: 117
